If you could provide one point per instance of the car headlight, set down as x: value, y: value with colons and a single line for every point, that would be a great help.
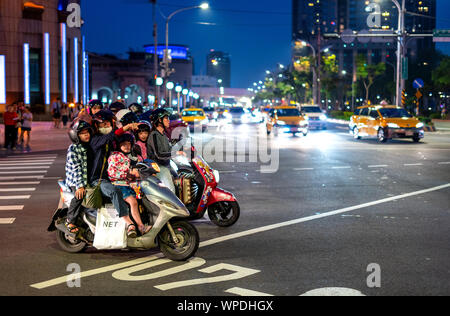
x: 216, y: 175
x: 303, y: 123
x: 393, y: 125
x: 281, y: 123
x: 420, y: 125
x: 323, y: 117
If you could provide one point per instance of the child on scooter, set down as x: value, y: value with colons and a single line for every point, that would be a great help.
x: 121, y: 174
x: 141, y: 134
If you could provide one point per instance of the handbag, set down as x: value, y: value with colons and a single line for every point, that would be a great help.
x: 110, y: 230
x: 94, y: 197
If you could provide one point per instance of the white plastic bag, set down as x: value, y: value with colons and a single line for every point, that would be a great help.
x: 110, y: 230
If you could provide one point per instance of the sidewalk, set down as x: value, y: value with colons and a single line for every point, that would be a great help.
x: 44, y: 137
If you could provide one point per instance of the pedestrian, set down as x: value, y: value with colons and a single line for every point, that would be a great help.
x: 56, y: 112
x: 27, y: 120
x: 444, y: 113
x: 10, y: 119
x: 64, y: 114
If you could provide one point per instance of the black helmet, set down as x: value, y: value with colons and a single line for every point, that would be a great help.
x: 104, y: 115
x: 158, y: 115
x: 76, y: 128
x: 143, y: 126
x: 125, y: 137
x: 126, y: 117
x: 136, y: 108
x: 116, y: 107
x: 95, y: 103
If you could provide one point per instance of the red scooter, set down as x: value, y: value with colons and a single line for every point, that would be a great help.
x: 197, y: 189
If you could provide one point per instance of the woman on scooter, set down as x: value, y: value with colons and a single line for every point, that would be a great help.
x: 159, y: 148
x: 121, y: 174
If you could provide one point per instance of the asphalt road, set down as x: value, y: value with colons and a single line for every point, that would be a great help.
x: 331, y: 215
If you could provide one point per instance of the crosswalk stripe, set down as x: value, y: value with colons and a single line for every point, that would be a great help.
x: 23, y: 172
x: 15, y: 197
x: 7, y: 220
x: 24, y: 164
x: 26, y: 161
x: 20, y: 177
x: 11, y: 208
x: 23, y: 167
x: 17, y: 189
x: 21, y: 183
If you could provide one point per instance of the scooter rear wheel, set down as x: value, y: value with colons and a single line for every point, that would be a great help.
x: 68, y: 245
x: 187, y: 245
x: 224, y: 214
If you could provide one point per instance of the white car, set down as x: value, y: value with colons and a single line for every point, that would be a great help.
x: 316, y: 117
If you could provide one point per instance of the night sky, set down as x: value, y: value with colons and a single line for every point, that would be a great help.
x: 256, y: 33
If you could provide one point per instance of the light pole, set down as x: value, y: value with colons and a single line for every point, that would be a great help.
x: 169, y: 87
x: 178, y: 90
x: 166, y: 57
x: 400, y: 48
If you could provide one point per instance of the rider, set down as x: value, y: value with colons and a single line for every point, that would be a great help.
x: 159, y: 147
x: 142, y: 133
x: 101, y: 144
x: 80, y: 133
x: 121, y: 174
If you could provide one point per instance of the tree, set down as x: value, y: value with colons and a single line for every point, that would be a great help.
x: 368, y: 73
x: 441, y: 75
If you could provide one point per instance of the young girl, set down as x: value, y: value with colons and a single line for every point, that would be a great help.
x: 121, y: 174
x: 142, y: 134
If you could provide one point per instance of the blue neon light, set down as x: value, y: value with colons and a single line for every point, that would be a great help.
x: 26, y: 73
x: 177, y: 52
x: 64, y: 63
x: 47, y: 67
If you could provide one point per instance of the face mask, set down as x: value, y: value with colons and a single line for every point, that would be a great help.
x: 105, y: 130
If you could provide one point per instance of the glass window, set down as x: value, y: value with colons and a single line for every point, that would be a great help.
x: 365, y: 112
x: 288, y: 112
x: 374, y: 113
x: 394, y: 112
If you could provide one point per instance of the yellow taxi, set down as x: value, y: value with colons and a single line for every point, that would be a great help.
x: 195, y: 118
x: 385, y: 122
x: 286, y: 119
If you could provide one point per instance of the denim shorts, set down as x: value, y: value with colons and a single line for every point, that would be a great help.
x: 126, y: 191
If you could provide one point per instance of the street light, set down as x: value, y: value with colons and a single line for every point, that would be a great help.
x: 203, y: 6
x: 178, y: 90
x: 170, y: 86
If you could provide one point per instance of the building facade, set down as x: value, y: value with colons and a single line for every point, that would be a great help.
x: 33, y: 68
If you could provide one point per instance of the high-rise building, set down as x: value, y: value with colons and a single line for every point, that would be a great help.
x: 312, y: 19
x: 218, y: 65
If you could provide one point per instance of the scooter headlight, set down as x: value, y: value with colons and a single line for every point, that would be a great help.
x: 216, y: 175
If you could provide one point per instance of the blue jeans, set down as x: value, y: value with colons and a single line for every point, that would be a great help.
x: 115, y: 194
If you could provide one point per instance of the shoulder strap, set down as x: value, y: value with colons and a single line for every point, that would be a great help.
x: 103, y: 166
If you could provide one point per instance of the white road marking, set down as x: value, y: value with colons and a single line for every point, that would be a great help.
x: 21, y: 177
x: 445, y: 163
x: 303, y: 169
x: 413, y: 164
x: 378, y: 166
x: 27, y: 161
x: 17, y: 189
x: 341, y: 167
x: 6, y: 221
x: 63, y: 279
x: 21, y: 183
x: 23, y: 172
x: 11, y: 208
x: 22, y: 167
x: 245, y: 292
x: 15, y: 197
x: 318, y: 216
x: 25, y: 164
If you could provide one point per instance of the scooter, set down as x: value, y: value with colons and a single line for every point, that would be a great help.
x: 176, y: 238
x: 197, y: 187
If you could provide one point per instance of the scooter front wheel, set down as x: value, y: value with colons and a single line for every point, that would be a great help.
x: 68, y: 244
x: 186, y: 244
x: 224, y: 214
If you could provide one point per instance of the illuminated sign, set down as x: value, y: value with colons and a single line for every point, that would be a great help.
x: 75, y: 71
x: 47, y: 67
x: 2, y: 80
x: 63, y: 63
x: 177, y: 52
x: 26, y: 73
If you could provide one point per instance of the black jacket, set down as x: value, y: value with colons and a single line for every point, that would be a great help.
x: 99, y: 152
x: 159, y: 148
